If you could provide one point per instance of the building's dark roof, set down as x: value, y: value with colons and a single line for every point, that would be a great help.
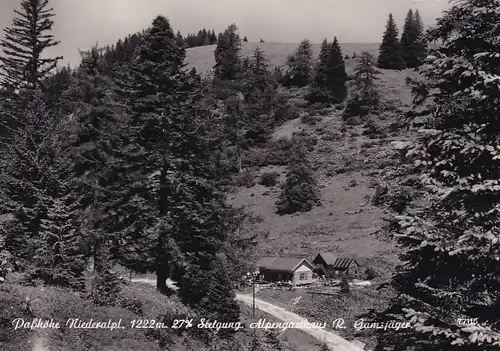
x: 281, y: 264
x: 265, y: 261
x: 344, y: 263
x: 335, y: 262
x: 328, y: 257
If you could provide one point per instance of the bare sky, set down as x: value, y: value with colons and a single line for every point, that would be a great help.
x: 79, y: 24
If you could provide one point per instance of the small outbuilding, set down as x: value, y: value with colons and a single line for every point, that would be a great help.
x: 298, y: 271
x: 330, y: 265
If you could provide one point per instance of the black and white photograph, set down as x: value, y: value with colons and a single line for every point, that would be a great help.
x: 237, y: 175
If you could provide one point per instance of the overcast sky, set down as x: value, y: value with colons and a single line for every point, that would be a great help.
x: 81, y: 23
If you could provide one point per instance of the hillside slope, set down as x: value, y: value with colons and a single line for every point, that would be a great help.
x: 350, y: 161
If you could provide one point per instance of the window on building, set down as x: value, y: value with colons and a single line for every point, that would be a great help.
x: 303, y: 276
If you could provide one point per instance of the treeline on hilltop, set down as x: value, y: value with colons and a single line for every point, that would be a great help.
x: 202, y: 38
x: 408, y: 51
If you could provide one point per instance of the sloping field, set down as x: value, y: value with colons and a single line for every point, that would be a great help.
x: 349, y: 164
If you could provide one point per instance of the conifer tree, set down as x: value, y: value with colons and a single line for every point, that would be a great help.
x: 408, y: 38
x: 176, y: 218
x: 56, y: 84
x: 245, y: 39
x: 258, y: 76
x: 421, y: 42
x: 364, y: 98
x: 24, y: 62
x: 213, y: 38
x: 227, y: 54
x: 208, y: 289
x: 206, y: 41
x: 180, y: 40
x: 261, y: 40
x: 25, y: 42
x: 147, y: 87
x: 320, y: 80
x: 410, y: 41
x: 321, y: 67
x: 60, y: 255
x: 329, y: 83
x: 245, y: 65
x: 419, y: 24
x: 450, y: 270
x: 94, y: 148
x: 37, y: 190
x: 278, y: 74
x: 390, y: 55
x: 260, y: 92
x: 299, y: 193
x: 337, y: 74
x: 300, y: 65
x: 199, y: 38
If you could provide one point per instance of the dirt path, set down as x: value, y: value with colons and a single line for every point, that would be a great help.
x: 335, y: 342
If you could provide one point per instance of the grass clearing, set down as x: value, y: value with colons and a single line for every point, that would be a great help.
x: 60, y: 305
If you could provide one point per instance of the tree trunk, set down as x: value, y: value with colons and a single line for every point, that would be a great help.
x: 161, y: 281
x: 162, y: 273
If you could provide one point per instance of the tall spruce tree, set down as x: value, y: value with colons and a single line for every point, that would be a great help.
x: 320, y: 80
x: 408, y: 40
x: 227, y: 54
x: 175, y: 214
x: 258, y: 76
x: 449, y: 284
x: 37, y: 190
x: 364, y: 97
x: 148, y: 87
x: 94, y: 148
x: 260, y: 92
x: 337, y: 74
x: 208, y: 292
x: 329, y: 83
x: 24, y: 66
x: 421, y: 42
x: 390, y: 55
x: 300, y: 65
x: 24, y: 44
x: 419, y: 24
x: 299, y: 193
x: 60, y: 257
